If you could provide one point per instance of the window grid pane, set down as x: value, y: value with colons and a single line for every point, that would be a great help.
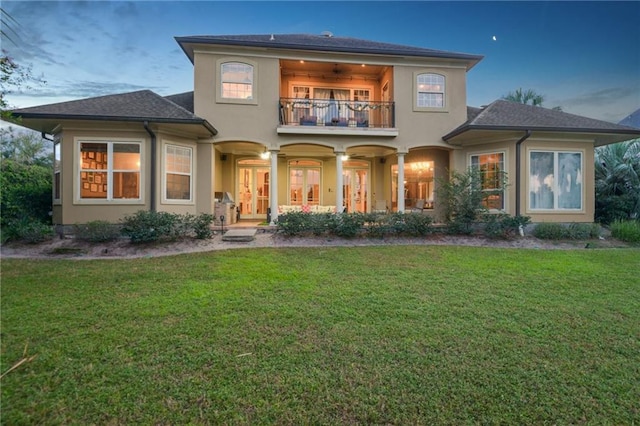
x: 431, y: 89
x: 178, y: 173
x: 237, y: 80
x: 109, y: 170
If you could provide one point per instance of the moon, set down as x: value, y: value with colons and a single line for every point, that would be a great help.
x: 494, y: 38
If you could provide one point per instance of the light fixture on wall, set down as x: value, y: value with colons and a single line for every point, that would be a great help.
x: 344, y: 157
x: 265, y: 155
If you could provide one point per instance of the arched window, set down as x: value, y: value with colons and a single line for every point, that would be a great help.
x: 430, y: 90
x: 237, y: 80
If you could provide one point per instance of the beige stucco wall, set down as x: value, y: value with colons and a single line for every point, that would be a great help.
x: 461, y: 160
x: 72, y: 210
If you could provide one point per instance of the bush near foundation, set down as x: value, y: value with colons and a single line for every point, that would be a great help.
x: 148, y: 226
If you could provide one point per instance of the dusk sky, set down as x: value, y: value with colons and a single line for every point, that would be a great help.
x: 582, y: 56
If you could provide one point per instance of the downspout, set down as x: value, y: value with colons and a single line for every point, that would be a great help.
x: 518, y: 171
x: 152, y: 196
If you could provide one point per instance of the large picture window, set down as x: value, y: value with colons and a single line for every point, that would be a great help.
x: 555, y: 180
x: 492, y: 178
x: 430, y: 90
x: 237, y: 80
x: 109, y: 170
x: 178, y: 172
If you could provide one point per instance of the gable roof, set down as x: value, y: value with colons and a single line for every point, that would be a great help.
x: 322, y: 43
x: 185, y: 100
x: 140, y: 106
x: 507, y: 115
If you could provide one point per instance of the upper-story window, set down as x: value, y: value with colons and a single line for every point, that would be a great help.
x: 237, y: 81
x: 430, y: 90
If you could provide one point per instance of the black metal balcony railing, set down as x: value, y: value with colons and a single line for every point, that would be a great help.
x: 330, y: 112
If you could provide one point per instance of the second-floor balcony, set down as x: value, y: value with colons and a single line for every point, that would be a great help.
x: 335, y: 116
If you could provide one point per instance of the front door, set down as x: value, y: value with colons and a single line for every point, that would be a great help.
x: 355, y: 177
x: 253, y: 189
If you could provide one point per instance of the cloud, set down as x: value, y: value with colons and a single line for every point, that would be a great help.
x: 82, y: 89
x: 608, y: 104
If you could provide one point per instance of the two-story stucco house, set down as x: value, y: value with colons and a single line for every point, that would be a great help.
x: 316, y: 123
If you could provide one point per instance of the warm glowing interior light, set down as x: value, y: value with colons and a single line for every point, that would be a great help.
x: 344, y: 157
x: 265, y: 155
x: 301, y: 61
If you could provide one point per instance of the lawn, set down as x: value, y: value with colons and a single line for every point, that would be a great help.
x: 375, y: 335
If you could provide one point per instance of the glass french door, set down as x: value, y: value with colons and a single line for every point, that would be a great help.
x: 355, y: 189
x: 253, y: 189
x: 304, y: 183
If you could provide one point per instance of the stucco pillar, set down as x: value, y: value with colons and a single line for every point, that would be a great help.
x: 273, y: 186
x: 401, y: 182
x: 339, y: 183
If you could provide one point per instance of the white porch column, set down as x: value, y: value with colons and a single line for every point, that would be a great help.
x: 401, y: 182
x: 339, y: 183
x: 273, y: 186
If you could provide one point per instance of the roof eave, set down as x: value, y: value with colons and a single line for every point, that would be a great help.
x: 471, y: 59
x: 80, y: 117
x: 466, y: 128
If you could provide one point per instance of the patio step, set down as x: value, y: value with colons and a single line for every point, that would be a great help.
x: 243, y: 235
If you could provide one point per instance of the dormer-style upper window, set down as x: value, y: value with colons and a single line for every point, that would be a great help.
x: 430, y: 90
x: 237, y: 80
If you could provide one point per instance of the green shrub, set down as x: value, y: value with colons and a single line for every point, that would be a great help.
x: 27, y: 230
x: 626, y: 230
x: 583, y: 231
x: 503, y: 225
x: 97, y: 231
x: 148, y: 226
x: 574, y: 231
x: 199, y: 226
x: 550, y: 231
x: 25, y: 191
x: 347, y: 225
x: 414, y: 224
x: 293, y: 223
x: 378, y: 225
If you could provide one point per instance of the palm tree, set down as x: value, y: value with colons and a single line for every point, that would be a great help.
x: 528, y: 97
x: 617, y: 174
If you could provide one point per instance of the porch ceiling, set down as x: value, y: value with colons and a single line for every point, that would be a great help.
x: 331, y: 69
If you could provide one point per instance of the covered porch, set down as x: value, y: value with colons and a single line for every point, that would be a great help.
x: 311, y: 177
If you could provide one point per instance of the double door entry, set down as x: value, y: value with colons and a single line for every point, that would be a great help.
x: 253, y: 189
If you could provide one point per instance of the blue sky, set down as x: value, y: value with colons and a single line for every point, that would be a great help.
x: 583, y: 56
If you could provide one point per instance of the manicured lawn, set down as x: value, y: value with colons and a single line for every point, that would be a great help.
x: 376, y: 335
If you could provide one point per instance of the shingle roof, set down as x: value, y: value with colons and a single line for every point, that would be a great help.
x: 506, y: 115
x: 632, y: 120
x: 143, y: 105
x: 185, y: 100
x: 322, y: 43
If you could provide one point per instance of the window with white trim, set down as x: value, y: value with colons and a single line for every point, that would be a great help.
x: 237, y: 80
x: 178, y: 173
x: 492, y: 177
x: 109, y: 170
x: 430, y: 90
x: 57, y: 168
x: 555, y: 180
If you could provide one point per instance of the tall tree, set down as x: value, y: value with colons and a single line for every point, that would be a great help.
x: 527, y: 97
x: 617, y: 175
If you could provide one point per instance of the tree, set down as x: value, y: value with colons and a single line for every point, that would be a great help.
x: 617, y: 176
x: 12, y: 75
x: 527, y: 97
x: 25, y: 147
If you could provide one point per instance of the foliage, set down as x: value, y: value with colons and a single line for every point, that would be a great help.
x: 349, y: 225
x: 461, y: 196
x: 97, y: 231
x: 527, y: 97
x: 617, y: 181
x: 559, y: 231
x: 25, y: 192
x: 627, y: 230
x: 341, y: 335
x: 146, y: 226
x: 200, y: 225
x: 503, y: 225
x: 27, y: 230
x: 25, y: 147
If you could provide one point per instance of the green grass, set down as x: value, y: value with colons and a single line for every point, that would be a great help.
x: 376, y: 335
